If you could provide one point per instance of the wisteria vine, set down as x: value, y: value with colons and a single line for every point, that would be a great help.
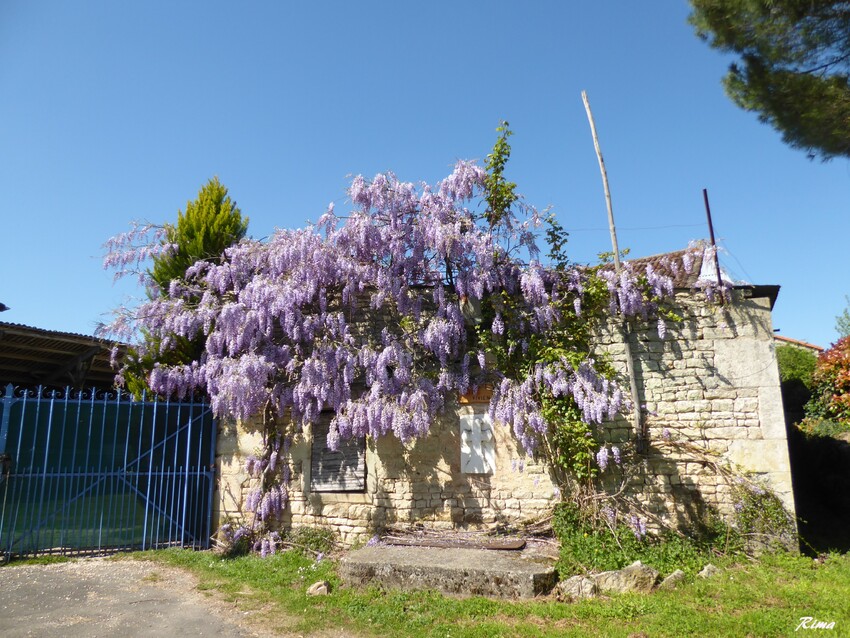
x: 384, y: 315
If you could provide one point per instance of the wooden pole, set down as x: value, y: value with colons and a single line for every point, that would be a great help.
x: 611, y: 227
x: 640, y: 429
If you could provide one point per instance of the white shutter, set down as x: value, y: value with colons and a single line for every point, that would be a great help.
x: 477, y: 445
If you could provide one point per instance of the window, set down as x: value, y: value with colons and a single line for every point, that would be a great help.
x: 477, y: 445
x: 340, y: 471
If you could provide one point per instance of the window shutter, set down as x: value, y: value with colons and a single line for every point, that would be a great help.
x: 477, y: 444
x: 340, y: 471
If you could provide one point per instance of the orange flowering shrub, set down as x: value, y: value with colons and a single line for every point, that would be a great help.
x: 831, y: 381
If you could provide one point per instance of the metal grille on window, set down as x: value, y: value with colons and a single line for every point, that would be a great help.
x: 341, y: 471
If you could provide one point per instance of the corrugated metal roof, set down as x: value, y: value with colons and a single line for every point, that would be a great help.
x: 34, y: 356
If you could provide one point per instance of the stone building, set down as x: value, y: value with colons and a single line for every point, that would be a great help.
x: 710, y: 398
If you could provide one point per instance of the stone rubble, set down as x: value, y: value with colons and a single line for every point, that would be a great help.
x: 709, y: 571
x: 320, y: 588
x: 672, y: 581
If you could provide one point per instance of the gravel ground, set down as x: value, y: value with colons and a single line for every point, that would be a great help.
x: 98, y: 597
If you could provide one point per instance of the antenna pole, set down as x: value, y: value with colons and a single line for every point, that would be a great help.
x: 711, y: 235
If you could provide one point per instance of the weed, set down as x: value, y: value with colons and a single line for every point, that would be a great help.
x: 761, y: 518
x: 589, y: 544
x: 311, y: 540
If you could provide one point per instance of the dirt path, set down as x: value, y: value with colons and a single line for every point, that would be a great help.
x: 98, y: 597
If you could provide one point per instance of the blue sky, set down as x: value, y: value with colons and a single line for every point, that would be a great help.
x: 113, y: 111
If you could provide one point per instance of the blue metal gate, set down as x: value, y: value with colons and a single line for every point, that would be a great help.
x: 94, y: 471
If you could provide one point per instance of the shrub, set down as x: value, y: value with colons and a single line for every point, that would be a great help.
x: 234, y: 540
x: 795, y: 364
x: 312, y: 540
x: 606, y: 541
x: 761, y: 518
x: 831, y: 384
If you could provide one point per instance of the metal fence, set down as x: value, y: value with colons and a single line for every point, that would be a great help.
x: 94, y: 471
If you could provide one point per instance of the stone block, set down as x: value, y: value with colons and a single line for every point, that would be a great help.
x: 637, y: 577
x: 746, y: 361
x: 454, y: 571
x: 722, y: 405
x: 745, y: 405
x: 673, y: 580
x: 771, y: 413
x: 709, y: 571
x: 577, y: 588
x: 760, y: 455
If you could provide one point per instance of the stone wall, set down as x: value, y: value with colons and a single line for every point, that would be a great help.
x: 710, y: 392
x: 419, y: 482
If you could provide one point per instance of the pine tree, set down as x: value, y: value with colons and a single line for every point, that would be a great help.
x: 793, y: 68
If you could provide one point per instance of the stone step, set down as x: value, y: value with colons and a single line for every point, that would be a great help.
x: 472, y: 572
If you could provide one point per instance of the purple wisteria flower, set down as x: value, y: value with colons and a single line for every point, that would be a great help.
x: 372, y: 542
x: 638, y: 526
x: 498, y: 325
x: 602, y: 458
x: 615, y: 451
x: 533, y: 288
x: 687, y: 262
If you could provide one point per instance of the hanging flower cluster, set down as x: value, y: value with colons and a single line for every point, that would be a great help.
x: 383, y: 315
x: 126, y: 252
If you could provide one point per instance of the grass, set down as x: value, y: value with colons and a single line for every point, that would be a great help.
x: 49, y: 559
x: 764, y: 598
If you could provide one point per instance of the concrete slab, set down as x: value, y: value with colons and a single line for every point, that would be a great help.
x: 478, y: 572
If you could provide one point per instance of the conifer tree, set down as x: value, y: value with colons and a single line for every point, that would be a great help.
x: 842, y: 321
x: 793, y: 67
x: 210, y: 224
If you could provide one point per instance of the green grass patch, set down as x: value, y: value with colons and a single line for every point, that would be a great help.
x: 37, y: 560
x: 756, y: 598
